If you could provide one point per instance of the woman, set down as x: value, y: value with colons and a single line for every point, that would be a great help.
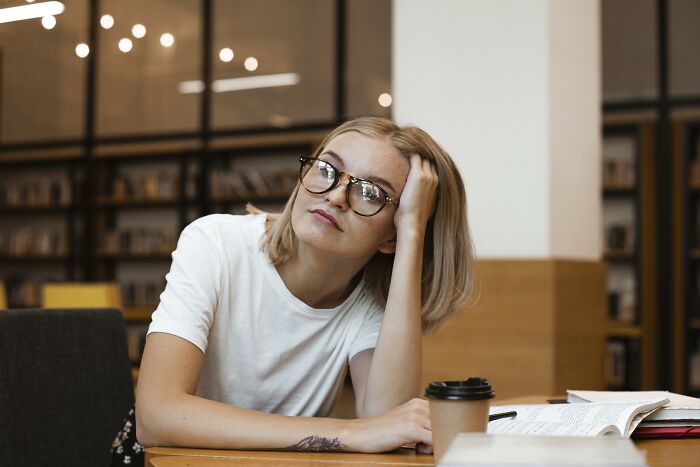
x: 263, y: 315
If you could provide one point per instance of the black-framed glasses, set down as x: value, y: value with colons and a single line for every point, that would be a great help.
x: 364, y: 197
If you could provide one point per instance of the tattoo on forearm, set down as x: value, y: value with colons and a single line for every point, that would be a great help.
x: 317, y: 443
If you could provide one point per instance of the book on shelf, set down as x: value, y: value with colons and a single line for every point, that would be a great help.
x: 136, y: 341
x: 618, y: 174
x: 47, y: 192
x: 24, y: 293
x: 34, y: 241
x: 138, y: 241
x: 141, y: 293
x: 160, y: 186
x: 622, y: 368
x: 694, y: 173
x: 482, y: 450
x: 619, y: 239
x: 590, y: 419
x: 680, y: 417
x: 251, y: 182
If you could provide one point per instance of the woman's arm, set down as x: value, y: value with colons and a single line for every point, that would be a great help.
x: 395, y: 367
x: 169, y: 414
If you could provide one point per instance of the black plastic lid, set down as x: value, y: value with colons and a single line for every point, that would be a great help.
x: 473, y: 389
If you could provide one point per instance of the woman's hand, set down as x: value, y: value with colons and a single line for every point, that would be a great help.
x: 417, y: 202
x: 406, y: 424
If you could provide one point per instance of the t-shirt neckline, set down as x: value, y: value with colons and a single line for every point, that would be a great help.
x: 281, y: 288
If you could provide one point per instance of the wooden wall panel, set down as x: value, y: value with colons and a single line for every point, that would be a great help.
x: 537, y: 328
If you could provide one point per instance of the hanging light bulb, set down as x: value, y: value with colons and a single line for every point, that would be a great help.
x: 82, y: 50
x: 107, y: 21
x: 138, y: 31
x: 385, y: 99
x: 125, y: 44
x: 48, y: 22
x: 167, y: 40
x: 251, y: 64
x: 226, y: 54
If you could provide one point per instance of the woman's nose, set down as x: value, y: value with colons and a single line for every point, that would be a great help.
x: 338, y: 195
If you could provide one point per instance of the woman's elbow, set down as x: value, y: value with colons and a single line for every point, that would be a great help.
x: 145, y: 433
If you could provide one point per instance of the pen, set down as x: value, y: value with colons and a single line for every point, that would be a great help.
x: 498, y: 416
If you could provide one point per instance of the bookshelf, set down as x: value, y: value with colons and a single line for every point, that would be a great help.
x: 40, y: 221
x: 122, y: 223
x: 629, y: 249
x: 686, y: 220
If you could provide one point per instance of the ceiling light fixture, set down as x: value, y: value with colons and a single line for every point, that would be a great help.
x: 240, y: 84
x: 167, y: 40
x: 49, y: 22
x: 226, y: 54
x: 138, y: 31
x: 385, y: 99
x: 107, y: 21
x: 125, y: 44
x: 35, y: 10
x: 251, y: 64
x: 82, y: 50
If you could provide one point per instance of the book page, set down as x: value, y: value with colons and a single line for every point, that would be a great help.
x: 569, y: 419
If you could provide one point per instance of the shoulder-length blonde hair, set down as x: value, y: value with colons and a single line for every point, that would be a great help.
x: 448, y: 258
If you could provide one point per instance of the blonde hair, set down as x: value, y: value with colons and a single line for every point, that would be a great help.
x: 448, y: 258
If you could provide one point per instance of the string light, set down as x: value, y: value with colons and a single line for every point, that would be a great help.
x: 107, y: 21
x: 138, y: 31
x: 385, y: 99
x: 82, y: 50
x: 251, y: 64
x: 226, y: 54
x: 125, y: 44
x: 48, y: 22
x: 167, y: 40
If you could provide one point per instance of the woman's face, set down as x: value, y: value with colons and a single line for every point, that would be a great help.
x: 352, y: 235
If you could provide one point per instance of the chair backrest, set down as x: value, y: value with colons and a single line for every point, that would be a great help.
x: 80, y: 295
x: 65, y: 386
x: 3, y: 296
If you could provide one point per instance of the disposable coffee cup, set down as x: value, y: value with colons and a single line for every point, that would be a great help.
x: 457, y: 407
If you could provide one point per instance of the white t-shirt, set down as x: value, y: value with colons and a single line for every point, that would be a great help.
x: 264, y: 349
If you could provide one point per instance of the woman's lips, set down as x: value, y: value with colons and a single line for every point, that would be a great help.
x: 324, y: 217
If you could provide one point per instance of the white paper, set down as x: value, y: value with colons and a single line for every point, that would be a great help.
x: 571, y: 419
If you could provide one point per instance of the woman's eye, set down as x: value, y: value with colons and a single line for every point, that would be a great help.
x: 370, y: 192
x: 326, y: 170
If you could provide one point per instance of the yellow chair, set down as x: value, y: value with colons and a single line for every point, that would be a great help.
x: 81, y: 295
x: 3, y: 296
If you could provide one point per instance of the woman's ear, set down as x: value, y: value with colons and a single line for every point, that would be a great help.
x: 388, y: 246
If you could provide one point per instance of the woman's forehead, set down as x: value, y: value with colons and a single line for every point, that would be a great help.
x: 374, y: 155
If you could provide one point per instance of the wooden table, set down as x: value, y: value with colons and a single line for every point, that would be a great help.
x: 660, y: 453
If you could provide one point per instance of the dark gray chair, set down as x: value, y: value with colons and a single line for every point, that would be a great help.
x: 65, y: 386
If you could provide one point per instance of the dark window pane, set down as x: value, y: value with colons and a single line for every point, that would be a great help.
x: 139, y: 91
x: 684, y: 39
x: 293, y: 43
x: 368, y: 57
x: 629, y: 49
x: 42, y: 78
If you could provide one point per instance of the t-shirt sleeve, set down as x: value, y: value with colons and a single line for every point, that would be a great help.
x: 368, y: 333
x: 187, y: 304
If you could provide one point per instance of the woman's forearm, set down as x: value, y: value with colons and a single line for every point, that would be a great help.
x: 192, y: 421
x: 395, y: 372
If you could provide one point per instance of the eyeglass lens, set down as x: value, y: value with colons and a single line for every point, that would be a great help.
x: 365, y: 198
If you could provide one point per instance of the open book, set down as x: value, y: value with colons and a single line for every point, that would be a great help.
x: 592, y: 419
x: 680, y: 407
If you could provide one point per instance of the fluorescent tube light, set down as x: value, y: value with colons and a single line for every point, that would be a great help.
x: 240, y: 84
x: 35, y: 10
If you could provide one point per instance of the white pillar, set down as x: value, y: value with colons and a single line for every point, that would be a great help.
x: 511, y: 88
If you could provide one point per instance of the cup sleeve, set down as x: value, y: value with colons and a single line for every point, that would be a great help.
x: 187, y: 304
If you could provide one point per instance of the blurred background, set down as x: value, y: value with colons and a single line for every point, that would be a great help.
x: 122, y: 121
